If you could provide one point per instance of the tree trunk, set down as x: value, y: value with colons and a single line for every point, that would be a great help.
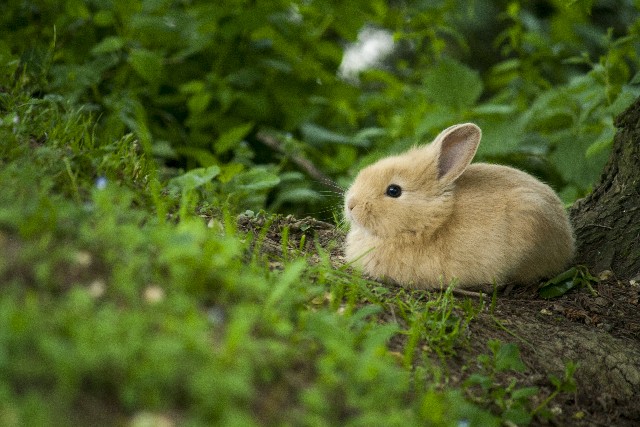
x: 607, y: 222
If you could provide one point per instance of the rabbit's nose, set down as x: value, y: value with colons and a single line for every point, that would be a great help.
x: 351, y: 204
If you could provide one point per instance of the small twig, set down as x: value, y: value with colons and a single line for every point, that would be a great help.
x: 303, y: 163
x: 601, y: 226
x: 473, y: 294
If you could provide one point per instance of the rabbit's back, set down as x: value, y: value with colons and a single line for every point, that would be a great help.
x: 507, y: 226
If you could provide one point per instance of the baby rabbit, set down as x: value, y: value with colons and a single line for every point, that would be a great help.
x: 427, y: 217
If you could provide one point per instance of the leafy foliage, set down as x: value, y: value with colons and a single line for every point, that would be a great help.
x: 123, y: 122
x: 196, y: 82
x: 575, y: 277
x: 514, y: 402
x: 117, y: 311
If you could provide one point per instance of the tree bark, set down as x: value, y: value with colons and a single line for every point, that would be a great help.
x: 607, y: 222
x: 608, y: 374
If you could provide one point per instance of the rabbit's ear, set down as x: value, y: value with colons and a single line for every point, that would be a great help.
x: 455, y: 147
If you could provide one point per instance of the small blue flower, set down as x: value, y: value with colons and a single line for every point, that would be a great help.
x: 101, y: 183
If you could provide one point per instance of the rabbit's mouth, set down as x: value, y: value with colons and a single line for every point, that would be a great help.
x: 371, y: 227
x: 352, y: 210
x: 354, y: 216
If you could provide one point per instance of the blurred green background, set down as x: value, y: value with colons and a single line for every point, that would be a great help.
x: 198, y: 82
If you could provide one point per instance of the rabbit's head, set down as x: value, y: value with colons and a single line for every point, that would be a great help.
x: 407, y: 195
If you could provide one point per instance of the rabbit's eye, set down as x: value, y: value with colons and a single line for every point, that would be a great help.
x: 393, y: 191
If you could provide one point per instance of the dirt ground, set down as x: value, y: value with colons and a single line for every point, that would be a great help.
x: 600, y: 332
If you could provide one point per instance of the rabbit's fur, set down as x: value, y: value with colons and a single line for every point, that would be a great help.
x: 476, y: 224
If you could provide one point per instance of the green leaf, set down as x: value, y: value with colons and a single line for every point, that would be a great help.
x: 557, y: 289
x: 256, y: 179
x: 199, y: 102
x: 164, y: 149
x: 494, y: 109
x: 193, y: 86
x: 604, y: 142
x: 286, y: 279
x: 230, y: 138
x: 363, y: 137
x: 508, y: 358
x: 202, y: 156
x: 481, y: 380
x: 570, y: 160
x: 148, y: 64
x: 229, y: 171
x: 295, y: 196
x: 569, y: 383
x: 524, y: 392
x: 318, y: 135
x: 103, y: 18
x: 108, y: 44
x: 517, y: 415
x: 559, y: 285
x: 574, y: 277
x: 453, y: 84
x: 195, y: 178
x: 555, y: 381
x: 8, y: 62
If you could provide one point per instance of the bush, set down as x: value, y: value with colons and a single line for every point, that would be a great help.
x: 197, y: 82
x: 114, y: 311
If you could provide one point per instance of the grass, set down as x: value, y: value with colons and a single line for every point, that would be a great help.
x: 121, y: 305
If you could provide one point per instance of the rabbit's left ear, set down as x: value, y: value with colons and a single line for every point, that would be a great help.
x: 455, y: 148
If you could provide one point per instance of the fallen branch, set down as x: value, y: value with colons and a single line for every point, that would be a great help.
x: 303, y: 163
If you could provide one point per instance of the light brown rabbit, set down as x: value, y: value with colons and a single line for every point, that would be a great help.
x: 427, y: 217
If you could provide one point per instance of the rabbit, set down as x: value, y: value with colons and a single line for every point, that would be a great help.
x: 428, y: 218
